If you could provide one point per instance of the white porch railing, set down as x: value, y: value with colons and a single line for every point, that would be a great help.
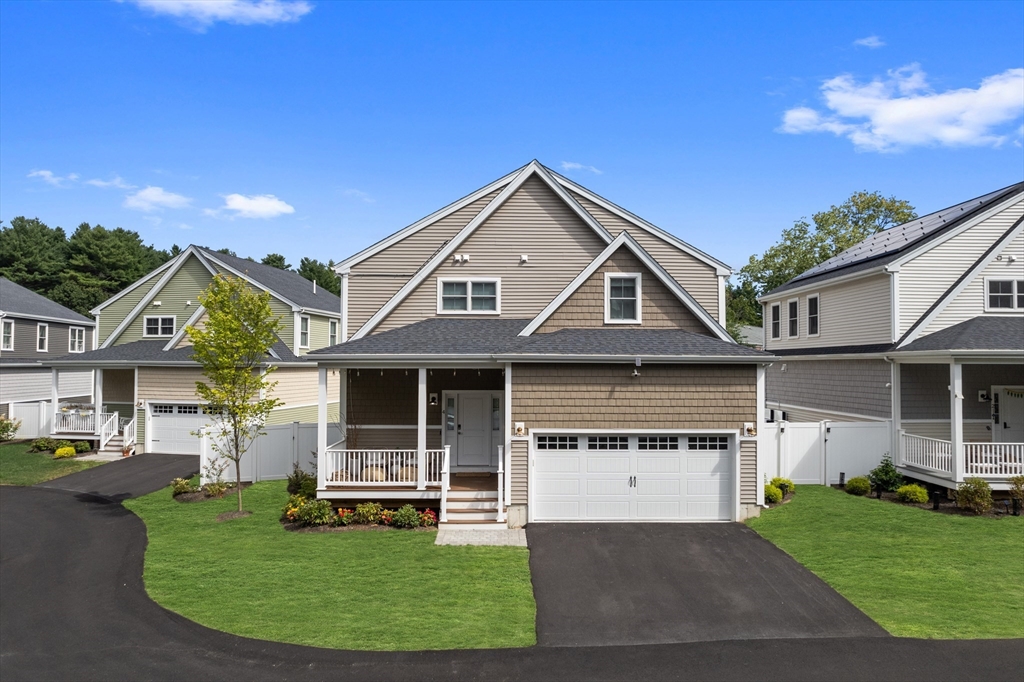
x: 445, y: 482
x: 996, y: 460
x: 385, y: 468
x: 926, y: 453
x: 74, y: 422
x: 108, y: 429
x: 501, y: 483
x: 129, y: 434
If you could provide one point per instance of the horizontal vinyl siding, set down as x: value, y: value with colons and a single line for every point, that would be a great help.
x: 696, y: 276
x: 852, y: 386
x: 57, y: 335
x: 31, y: 384
x: 534, y: 222
x: 520, y: 470
x: 970, y: 302
x: 850, y: 314
x: 926, y: 389
x: 306, y: 414
x: 140, y: 430
x: 179, y: 297
x: 169, y: 383
x: 660, y: 308
x: 375, y: 280
x: 974, y: 431
x: 925, y: 278
x: 112, y: 315
x: 748, y: 472
x: 300, y: 386
x: 806, y: 414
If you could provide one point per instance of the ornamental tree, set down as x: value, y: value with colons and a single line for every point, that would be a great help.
x: 231, y: 347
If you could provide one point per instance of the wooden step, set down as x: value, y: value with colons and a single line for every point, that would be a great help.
x: 472, y: 494
x: 480, y: 505
x: 473, y: 514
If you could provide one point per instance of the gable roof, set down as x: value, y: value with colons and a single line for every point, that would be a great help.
x: 153, y: 352
x: 992, y: 333
x: 16, y: 300
x: 624, y: 240
x: 887, y: 246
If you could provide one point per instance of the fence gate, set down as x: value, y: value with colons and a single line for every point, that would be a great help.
x: 273, y: 454
x: 817, y: 452
x: 36, y: 418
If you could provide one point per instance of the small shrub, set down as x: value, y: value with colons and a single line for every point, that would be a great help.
x: 81, y: 446
x: 297, y: 478
x: 290, y: 512
x: 64, y: 453
x: 387, y: 517
x: 405, y: 517
x: 772, y: 494
x: 180, y: 486
x: 316, y: 513
x: 215, y: 488
x: 346, y: 517
x: 8, y: 428
x: 1017, y: 489
x: 912, y: 494
x: 778, y: 482
x: 62, y: 444
x: 428, y: 518
x: 858, y: 485
x: 44, y: 445
x: 308, y: 488
x: 974, y: 494
x: 885, y: 476
x: 368, y: 512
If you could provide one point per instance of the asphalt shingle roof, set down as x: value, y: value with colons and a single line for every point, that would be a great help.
x: 151, y: 351
x: 979, y: 333
x: 888, y: 245
x: 439, y: 336
x: 15, y: 299
x: 287, y: 283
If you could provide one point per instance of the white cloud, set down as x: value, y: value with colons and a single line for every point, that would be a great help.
x: 56, y: 180
x: 184, y: 226
x: 902, y: 111
x: 572, y: 165
x: 204, y: 13
x: 873, y: 42
x: 155, y: 198
x: 255, y: 206
x: 118, y: 182
x: 358, y: 194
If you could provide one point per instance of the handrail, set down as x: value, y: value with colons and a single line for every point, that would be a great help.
x: 445, y: 482
x: 108, y: 430
x: 926, y: 453
x: 71, y: 422
x: 129, y: 434
x: 501, y: 483
x: 508, y: 475
x: 380, y: 468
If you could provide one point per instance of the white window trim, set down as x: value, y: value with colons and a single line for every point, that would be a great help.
x: 174, y: 321
x: 71, y: 336
x: 1009, y: 311
x: 817, y: 297
x: 771, y: 320
x: 46, y: 338
x: 332, y: 332
x: 2, y: 326
x: 639, y: 297
x: 789, y: 319
x: 468, y: 281
x: 309, y: 330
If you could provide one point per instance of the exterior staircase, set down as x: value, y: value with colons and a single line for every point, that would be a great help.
x: 115, y: 445
x: 472, y: 509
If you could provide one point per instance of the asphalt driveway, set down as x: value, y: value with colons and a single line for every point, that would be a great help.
x: 647, y: 583
x: 128, y: 477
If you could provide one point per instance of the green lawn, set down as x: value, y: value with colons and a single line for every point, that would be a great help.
x: 916, y: 572
x: 353, y: 590
x: 18, y: 466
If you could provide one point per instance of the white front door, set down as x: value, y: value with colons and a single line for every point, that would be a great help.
x: 173, y: 428
x: 1008, y: 414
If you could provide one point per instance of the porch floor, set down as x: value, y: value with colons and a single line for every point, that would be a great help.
x: 476, y: 482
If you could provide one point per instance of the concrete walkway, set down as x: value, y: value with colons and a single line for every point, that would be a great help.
x: 503, y: 537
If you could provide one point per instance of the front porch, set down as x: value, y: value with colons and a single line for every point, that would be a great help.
x: 113, y: 429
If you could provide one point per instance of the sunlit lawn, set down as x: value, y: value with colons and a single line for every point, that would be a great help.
x: 18, y: 466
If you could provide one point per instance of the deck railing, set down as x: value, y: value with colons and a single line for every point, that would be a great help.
x: 74, y: 422
x: 926, y: 453
x: 383, y: 468
x: 996, y: 460
x: 108, y: 429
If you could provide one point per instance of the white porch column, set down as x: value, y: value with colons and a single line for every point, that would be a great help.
x: 344, y: 307
x: 421, y: 430
x: 321, y: 418
x: 897, y: 413
x: 759, y: 422
x: 97, y: 399
x: 54, y: 400
x: 956, y: 418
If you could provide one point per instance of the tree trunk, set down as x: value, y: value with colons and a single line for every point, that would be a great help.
x: 238, y: 481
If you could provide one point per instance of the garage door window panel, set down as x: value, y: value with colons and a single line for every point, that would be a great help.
x: 658, y: 443
x: 557, y: 443
x: 608, y: 443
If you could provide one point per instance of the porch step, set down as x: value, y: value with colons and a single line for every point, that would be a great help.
x: 483, y: 505
x: 472, y: 495
x: 459, y: 524
x: 115, y: 444
x: 472, y: 515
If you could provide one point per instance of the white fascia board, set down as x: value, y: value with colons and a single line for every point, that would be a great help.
x: 133, y: 287
x: 371, y: 361
x: 335, y: 315
x: 834, y: 356
x: 644, y: 359
x: 148, y: 298
x: 250, y: 280
x: 720, y: 267
x: 47, y: 318
x: 180, y: 334
x: 346, y: 265
x: 1008, y: 357
x: 625, y: 239
x: 972, y: 274
x: 895, y: 265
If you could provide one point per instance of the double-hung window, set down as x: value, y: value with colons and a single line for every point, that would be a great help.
x: 333, y: 335
x: 622, y: 298
x: 776, y: 321
x: 477, y: 296
x: 158, y: 326
x: 42, y: 337
x: 8, y: 335
x: 76, y: 340
x: 813, y: 304
x: 1004, y: 294
x: 303, y: 332
x: 794, y: 318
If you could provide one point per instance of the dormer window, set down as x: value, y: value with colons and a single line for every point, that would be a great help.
x: 476, y: 296
x: 158, y: 326
x: 622, y: 298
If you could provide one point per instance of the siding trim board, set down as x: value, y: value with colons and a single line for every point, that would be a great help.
x: 130, y: 288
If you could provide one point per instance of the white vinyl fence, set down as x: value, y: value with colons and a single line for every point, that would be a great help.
x: 36, y: 418
x: 817, y: 452
x: 272, y: 455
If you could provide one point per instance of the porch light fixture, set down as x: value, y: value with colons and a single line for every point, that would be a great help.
x: 433, y: 400
x: 523, y: 259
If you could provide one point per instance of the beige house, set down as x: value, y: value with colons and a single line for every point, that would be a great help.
x: 144, y: 392
x: 921, y: 325
x: 533, y: 352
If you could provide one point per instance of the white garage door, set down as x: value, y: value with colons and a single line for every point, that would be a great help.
x: 173, y: 428
x: 632, y: 477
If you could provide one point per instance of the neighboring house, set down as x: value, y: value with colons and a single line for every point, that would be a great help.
x: 34, y: 328
x: 751, y: 336
x: 535, y: 350
x: 922, y: 324
x: 144, y: 377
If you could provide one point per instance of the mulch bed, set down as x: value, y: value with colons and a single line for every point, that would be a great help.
x: 227, y: 516
x: 946, y: 505
x: 200, y: 496
x: 299, y: 528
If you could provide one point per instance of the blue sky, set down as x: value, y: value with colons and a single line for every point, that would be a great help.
x: 316, y: 128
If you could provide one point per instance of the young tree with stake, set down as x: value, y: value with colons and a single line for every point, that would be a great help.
x: 231, y: 347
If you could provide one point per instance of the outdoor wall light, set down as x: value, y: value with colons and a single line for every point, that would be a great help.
x: 433, y: 400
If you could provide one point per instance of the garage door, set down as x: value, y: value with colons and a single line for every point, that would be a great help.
x: 614, y: 477
x: 173, y: 426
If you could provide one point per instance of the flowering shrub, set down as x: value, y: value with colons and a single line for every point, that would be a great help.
x: 180, y: 486
x: 316, y: 513
x: 387, y: 517
x: 64, y: 453
x: 8, y: 428
x: 346, y: 517
x: 428, y: 518
x: 291, y: 509
x: 368, y: 512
